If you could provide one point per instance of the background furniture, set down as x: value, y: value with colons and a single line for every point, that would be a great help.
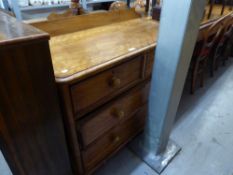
x: 218, y: 54
x: 206, y: 43
x: 223, y: 4
x: 31, y: 129
x: 118, y: 5
x: 211, y: 46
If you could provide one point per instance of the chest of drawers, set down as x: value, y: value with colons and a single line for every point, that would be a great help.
x: 104, y: 111
x: 103, y: 76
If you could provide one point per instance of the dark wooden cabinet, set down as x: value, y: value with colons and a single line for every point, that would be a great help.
x: 31, y: 129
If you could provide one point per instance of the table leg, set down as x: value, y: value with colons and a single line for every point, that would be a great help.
x: 147, y: 5
x: 223, y: 6
x: 211, y: 8
x: 231, y: 5
x: 128, y: 3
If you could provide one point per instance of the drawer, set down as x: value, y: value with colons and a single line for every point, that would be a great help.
x: 103, y: 86
x: 95, y: 125
x: 113, y: 140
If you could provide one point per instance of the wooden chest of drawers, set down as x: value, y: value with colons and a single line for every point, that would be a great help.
x: 103, y: 76
x: 105, y: 111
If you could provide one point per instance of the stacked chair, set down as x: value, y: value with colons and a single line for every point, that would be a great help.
x: 212, y: 48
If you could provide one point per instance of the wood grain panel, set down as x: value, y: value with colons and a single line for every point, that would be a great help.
x: 31, y: 132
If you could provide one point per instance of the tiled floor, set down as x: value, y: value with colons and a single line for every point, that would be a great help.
x: 204, y: 130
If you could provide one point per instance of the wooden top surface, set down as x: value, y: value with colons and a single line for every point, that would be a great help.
x: 13, y: 31
x: 76, y: 54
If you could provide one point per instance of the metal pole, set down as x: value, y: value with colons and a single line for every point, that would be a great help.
x: 177, y: 37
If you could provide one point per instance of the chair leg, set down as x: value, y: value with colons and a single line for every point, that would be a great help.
x: 213, y: 66
x: 202, y: 79
x: 210, y: 9
x: 193, y: 79
x: 223, y: 6
x: 231, y: 5
x: 224, y: 58
x: 211, y: 70
x: 224, y: 61
x: 231, y: 52
x: 216, y: 64
x: 193, y: 84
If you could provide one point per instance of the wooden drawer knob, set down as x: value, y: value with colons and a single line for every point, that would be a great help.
x: 120, y: 114
x: 116, y: 139
x: 115, y: 82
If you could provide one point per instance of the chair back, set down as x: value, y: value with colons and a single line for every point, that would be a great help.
x: 200, y: 42
x: 214, y: 33
x: 228, y: 25
x: 228, y: 32
x: 211, y: 37
x: 118, y: 5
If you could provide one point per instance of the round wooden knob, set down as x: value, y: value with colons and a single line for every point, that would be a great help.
x: 115, y: 82
x: 117, y: 113
x: 120, y: 114
x: 116, y: 139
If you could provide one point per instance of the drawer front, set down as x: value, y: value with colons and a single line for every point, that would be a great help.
x: 99, y: 88
x: 113, y: 140
x: 95, y: 125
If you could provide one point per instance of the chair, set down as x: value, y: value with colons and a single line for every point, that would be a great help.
x: 140, y: 6
x: 230, y: 43
x: 75, y: 9
x: 211, y: 5
x: 207, y: 38
x: 118, y: 5
x: 221, y: 43
x: 225, y: 3
x: 223, y: 47
x: 197, y: 63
